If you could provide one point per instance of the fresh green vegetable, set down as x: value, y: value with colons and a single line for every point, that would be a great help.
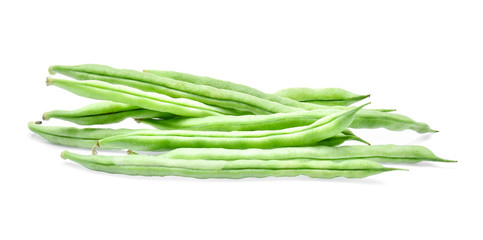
x: 299, y: 136
x: 363, y: 119
x: 88, y: 137
x: 220, y: 84
x: 127, y: 95
x: 75, y: 137
x: 379, y: 153
x: 177, y: 89
x: 104, y: 113
x: 158, y: 166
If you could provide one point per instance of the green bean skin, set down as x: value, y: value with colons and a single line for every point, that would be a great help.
x: 363, y: 119
x: 323, y: 96
x: 75, y: 137
x: 104, y: 113
x: 378, y: 153
x: 156, y: 166
x: 299, y: 136
x: 104, y: 91
x: 175, y: 88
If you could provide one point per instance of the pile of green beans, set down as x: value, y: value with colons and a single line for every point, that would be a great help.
x: 212, y: 128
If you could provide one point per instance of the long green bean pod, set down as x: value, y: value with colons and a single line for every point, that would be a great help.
x: 363, y: 119
x: 75, y: 137
x: 220, y: 84
x: 378, y: 153
x: 174, y: 88
x: 159, y: 166
x: 104, y: 113
x: 88, y: 137
x: 148, y: 100
x: 298, y: 136
x: 323, y: 96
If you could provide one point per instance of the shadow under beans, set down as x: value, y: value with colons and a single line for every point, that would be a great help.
x: 420, y: 139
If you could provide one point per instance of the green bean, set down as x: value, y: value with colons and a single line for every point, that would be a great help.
x: 363, y: 119
x: 299, y: 136
x: 323, y: 96
x: 157, y: 166
x: 174, y: 88
x: 338, y: 139
x: 75, y: 137
x: 88, y: 137
x: 378, y: 153
x: 220, y: 84
x: 127, y: 95
x: 104, y: 113
x: 207, y: 81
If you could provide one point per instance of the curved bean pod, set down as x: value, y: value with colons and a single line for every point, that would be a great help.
x: 323, y: 96
x: 298, y: 136
x: 174, y: 88
x: 104, y: 91
x: 379, y: 153
x: 363, y: 119
x: 207, y: 81
x: 200, y: 80
x: 156, y: 166
x: 104, y: 113
x: 88, y: 137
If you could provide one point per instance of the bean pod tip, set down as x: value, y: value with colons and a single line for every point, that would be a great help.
x: 51, y: 70
x: 63, y: 154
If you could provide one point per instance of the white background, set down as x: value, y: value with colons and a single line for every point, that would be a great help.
x: 422, y: 57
